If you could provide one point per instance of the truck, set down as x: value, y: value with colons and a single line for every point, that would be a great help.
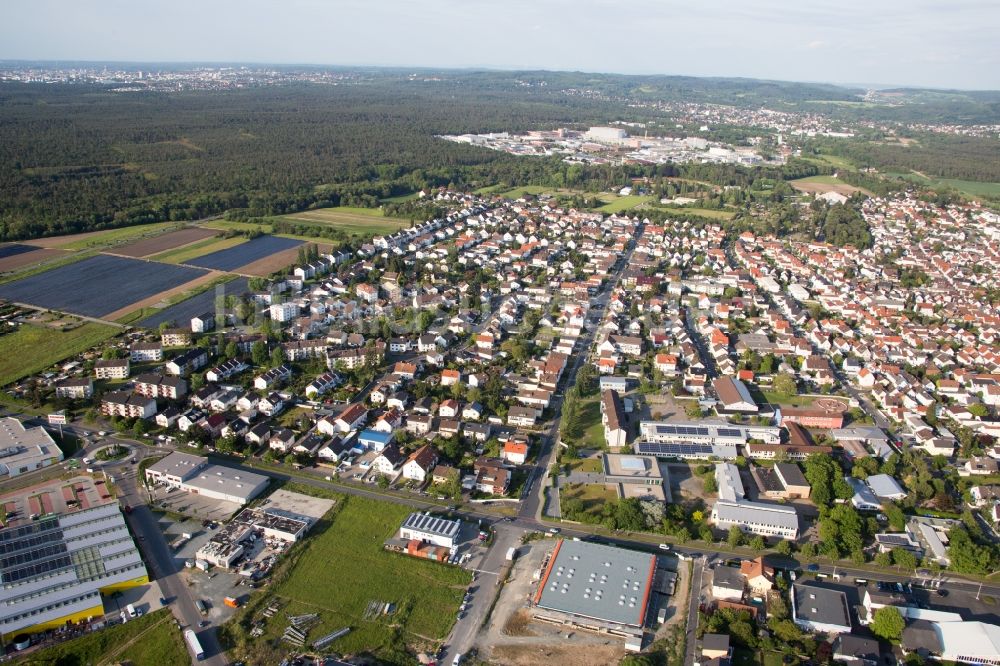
x: 131, y: 611
x: 511, y: 553
x: 202, y: 608
x: 192, y: 640
x: 232, y: 602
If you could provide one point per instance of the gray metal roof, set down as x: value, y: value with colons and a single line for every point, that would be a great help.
x: 597, y: 581
x: 757, y: 512
x: 425, y: 522
x: 821, y: 605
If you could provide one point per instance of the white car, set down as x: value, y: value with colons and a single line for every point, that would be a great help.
x: 664, y: 546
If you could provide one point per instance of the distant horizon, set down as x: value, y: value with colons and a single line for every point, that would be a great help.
x: 490, y: 69
x: 924, y: 44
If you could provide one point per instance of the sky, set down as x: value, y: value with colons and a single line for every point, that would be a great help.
x: 932, y: 43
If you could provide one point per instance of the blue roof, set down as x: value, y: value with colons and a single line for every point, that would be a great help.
x: 374, y: 436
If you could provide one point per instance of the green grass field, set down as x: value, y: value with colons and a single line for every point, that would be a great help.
x: 968, y: 187
x: 150, y: 640
x: 821, y: 180
x: 401, y: 198
x: 31, y: 349
x: 589, y: 465
x: 345, y: 568
x: 593, y: 495
x: 793, y: 401
x: 117, y: 236
x: 622, y: 204
x: 518, y: 192
x: 710, y: 213
x: 835, y: 161
x: 354, y: 221
x: 186, y: 253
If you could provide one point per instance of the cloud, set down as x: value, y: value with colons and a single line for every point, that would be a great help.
x: 816, y: 44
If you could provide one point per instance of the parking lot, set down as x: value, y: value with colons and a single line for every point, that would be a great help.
x: 195, y: 506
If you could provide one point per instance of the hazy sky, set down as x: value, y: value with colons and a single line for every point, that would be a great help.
x: 940, y: 43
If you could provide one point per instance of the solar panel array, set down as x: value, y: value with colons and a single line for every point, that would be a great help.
x: 729, y: 432
x: 36, y: 563
x: 30, y: 542
x: 675, y: 449
x: 669, y: 429
x: 15, y: 533
x: 32, y: 550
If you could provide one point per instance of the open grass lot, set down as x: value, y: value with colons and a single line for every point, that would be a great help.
x: 150, y: 640
x: 970, y: 188
x: 587, y: 465
x: 181, y: 255
x: 519, y: 192
x: 249, y: 252
x: 788, y: 401
x: 401, y: 198
x: 831, y: 160
x: 343, y: 569
x: 104, y: 239
x: 98, y: 285
x: 593, y: 495
x: 164, y: 242
x: 622, y: 204
x: 354, y: 221
x: 711, y: 213
x: 31, y: 349
x: 180, y: 314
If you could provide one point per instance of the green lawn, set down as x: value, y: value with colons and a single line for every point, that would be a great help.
x: 968, y: 187
x: 821, y: 180
x: 150, y: 640
x: 593, y: 495
x: 345, y: 568
x: 188, y: 252
x: 831, y: 160
x: 401, y: 198
x: 31, y: 349
x: 710, y: 213
x: 793, y: 401
x: 519, y: 192
x: 624, y: 203
x: 355, y: 221
x: 587, y: 465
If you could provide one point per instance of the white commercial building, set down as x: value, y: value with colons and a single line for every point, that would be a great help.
x: 757, y: 518
x: 431, y: 529
x: 24, y: 450
x: 194, y: 475
x: 54, y: 570
x: 729, y: 483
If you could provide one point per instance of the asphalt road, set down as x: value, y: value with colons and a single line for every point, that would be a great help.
x: 694, y: 600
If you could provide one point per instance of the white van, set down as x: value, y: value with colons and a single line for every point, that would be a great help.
x: 131, y: 611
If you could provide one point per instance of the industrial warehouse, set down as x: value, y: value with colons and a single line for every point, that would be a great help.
x: 193, y: 474
x: 600, y: 588
x: 54, y: 570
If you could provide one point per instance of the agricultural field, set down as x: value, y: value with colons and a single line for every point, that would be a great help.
x: 14, y: 256
x: 823, y: 184
x: 343, y: 570
x: 150, y: 640
x: 625, y: 203
x: 180, y: 314
x: 106, y: 238
x: 970, y: 188
x: 364, y: 222
x: 100, y: 285
x: 182, y: 255
x: 31, y: 349
x: 711, y: 213
x: 279, y: 261
x: 164, y: 242
x: 233, y: 258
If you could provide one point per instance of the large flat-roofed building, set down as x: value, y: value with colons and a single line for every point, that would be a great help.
x: 688, y: 450
x: 193, y: 474
x: 24, y: 450
x: 54, y: 570
x: 820, y: 609
x: 428, y: 528
x: 597, y: 583
x: 783, y: 481
x: 707, y: 432
x: 756, y: 518
x: 813, y: 418
x: 635, y: 476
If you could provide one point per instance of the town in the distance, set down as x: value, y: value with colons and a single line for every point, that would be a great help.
x: 714, y: 393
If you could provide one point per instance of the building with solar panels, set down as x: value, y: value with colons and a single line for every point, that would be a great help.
x: 687, y: 450
x: 706, y: 432
x: 54, y: 570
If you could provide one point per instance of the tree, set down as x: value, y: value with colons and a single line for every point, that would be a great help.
x: 693, y: 410
x: 978, y: 409
x: 232, y: 350
x: 904, y: 558
x: 784, y: 384
x: 383, y: 481
x: 888, y: 623
x: 277, y: 357
x: 111, y: 353
x: 735, y: 537
x: 757, y: 543
x: 784, y: 547
x: 258, y: 353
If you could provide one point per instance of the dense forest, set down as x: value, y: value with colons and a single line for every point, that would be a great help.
x: 80, y: 157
